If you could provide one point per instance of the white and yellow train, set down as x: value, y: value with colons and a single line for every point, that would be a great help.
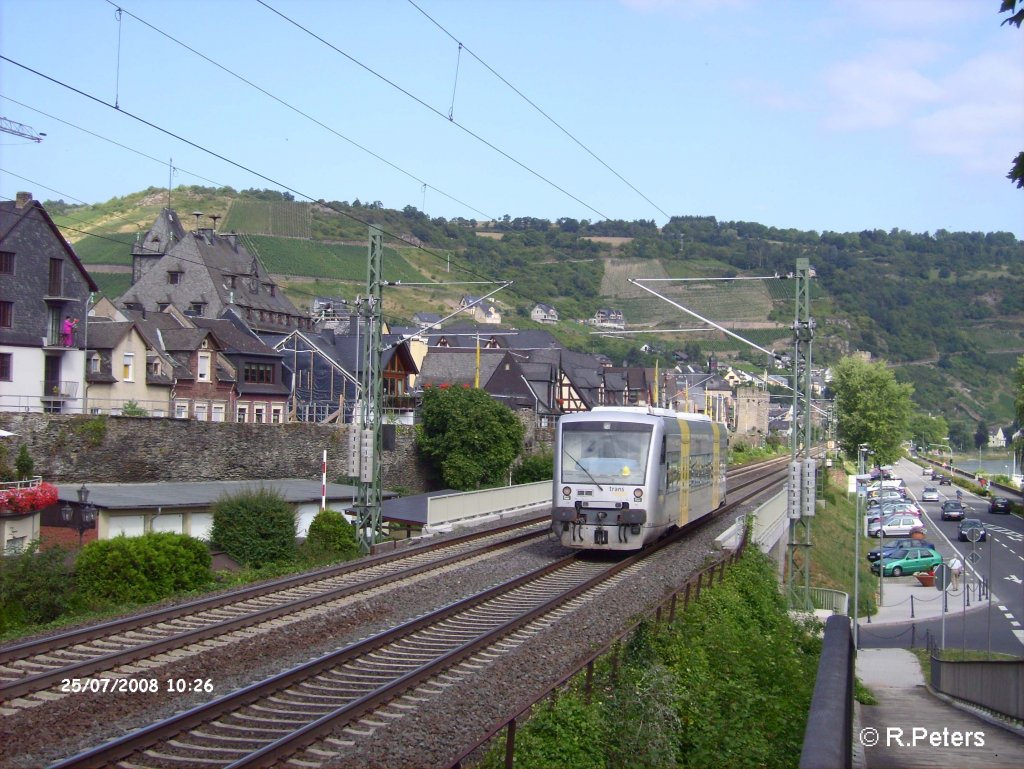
x: 624, y: 476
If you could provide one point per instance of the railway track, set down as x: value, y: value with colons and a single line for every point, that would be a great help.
x: 39, y: 665
x: 314, y: 712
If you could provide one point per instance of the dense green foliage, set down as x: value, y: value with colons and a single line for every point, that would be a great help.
x: 331, y: 537
x: 728, y: 684
x: 142, y: 569
x: 872, y: 408
x: 35, y: 587
x: 538, y: 466
x: 255, y: 527
x: 469, y: 438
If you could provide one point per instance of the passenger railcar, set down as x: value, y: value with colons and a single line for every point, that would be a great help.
x: 625, y: 476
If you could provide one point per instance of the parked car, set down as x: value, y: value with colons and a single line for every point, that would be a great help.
x: 897, y: 544
x: 999, y: 505
x: 953, y: 510
x: 908, y: 561
x: 971, y: 523
x: 896, y: 526
x: 930, y: 494
x: 897, y: 508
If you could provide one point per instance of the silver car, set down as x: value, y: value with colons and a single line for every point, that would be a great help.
x: 930, y: 494
x: 896, y: 526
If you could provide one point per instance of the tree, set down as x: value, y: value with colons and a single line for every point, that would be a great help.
x: 1016, y: 18
x: 926, y: 430
x: 23, y: 463
x: 470, y: 439
x: 872, y: 408
x: 981, y: 435
x: 1018, y: 381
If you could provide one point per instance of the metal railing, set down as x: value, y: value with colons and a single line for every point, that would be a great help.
x: 819, y: 598
x: 59, y: 389
x: 35, y: 480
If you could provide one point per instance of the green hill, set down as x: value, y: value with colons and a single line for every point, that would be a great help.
x: 945, y: 309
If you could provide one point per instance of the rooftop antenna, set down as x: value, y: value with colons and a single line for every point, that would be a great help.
x: 198, y: 215
x: 20, y: 129
x: 170, y: 175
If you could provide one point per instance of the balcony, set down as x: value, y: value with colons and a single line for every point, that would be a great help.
x: 60, y: 390
x: 56, y: 342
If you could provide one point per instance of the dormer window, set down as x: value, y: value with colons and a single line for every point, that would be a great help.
x: 231, y: 281
x: 270, y: 289
x: 197, y: 308
x: 174, y: 277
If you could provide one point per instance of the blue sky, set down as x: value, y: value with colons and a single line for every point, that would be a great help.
x: 816, y: 114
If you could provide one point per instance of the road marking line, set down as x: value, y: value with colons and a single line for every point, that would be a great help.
x: 1015, y: 623
x: 1002, y: 608
x: 1020, y: 635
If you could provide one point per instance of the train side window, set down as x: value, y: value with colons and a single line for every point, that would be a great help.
x: 664, y: 448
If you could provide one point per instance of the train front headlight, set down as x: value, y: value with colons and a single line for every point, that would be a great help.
x: 638, y: 494
x: 566, y: 492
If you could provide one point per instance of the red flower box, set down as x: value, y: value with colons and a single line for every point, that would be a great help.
x: 26, y: 499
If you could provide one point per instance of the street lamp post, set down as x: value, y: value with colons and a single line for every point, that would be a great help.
x: 86, y: 513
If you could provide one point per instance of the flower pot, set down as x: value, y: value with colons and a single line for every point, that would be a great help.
x: 927, y: 580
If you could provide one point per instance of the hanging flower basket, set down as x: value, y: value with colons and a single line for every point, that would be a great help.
x: 27, y: 499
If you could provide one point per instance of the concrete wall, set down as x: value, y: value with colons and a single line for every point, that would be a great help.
x: 116, y: 449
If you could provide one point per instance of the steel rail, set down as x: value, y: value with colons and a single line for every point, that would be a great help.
x: 43, y: 680
x: 271, y: 753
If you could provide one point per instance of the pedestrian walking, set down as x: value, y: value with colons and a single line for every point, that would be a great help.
x: 956, y: 567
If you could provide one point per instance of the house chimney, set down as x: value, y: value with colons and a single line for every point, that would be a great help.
x: 22, y: 199
x: 215, y: 217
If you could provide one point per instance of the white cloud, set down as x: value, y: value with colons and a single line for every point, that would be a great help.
x: 879, y: 89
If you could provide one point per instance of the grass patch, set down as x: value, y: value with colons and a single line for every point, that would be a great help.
x: 832, y: 561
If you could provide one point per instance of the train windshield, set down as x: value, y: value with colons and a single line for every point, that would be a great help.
x: 605, y: 452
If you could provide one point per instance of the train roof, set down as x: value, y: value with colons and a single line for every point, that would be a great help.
x: 650, y: 411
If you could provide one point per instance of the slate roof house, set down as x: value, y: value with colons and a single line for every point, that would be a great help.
x: 42, y: 283
x: 327, y: 367
x: 261, y: 389
x: 203, y: 273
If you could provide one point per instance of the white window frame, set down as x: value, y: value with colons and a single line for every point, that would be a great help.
x: 242, y: 413
x: 276, y: 415
x: 217, y: 412
x: 181, y: 409
x: 203, y: 367
x: 202, y: 412
x: 128, y: 367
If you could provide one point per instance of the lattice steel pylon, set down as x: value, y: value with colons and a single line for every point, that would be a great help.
x: 371, y: 399
x: 802, y: 497
x: 20, y: 129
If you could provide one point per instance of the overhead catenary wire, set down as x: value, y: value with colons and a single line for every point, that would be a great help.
x: 529, y: 101
x: 440, y: 257
x: 434, y: 110
x: 303, y: 114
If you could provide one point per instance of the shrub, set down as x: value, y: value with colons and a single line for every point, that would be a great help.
x: 141, y: 569
x: 133, y: 409
x: 255, y: 527
x: 35, y: 587
x: 330, y: 536
x: 535, y: 467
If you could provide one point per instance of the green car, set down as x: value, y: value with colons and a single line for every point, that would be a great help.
x: 909, y: 561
